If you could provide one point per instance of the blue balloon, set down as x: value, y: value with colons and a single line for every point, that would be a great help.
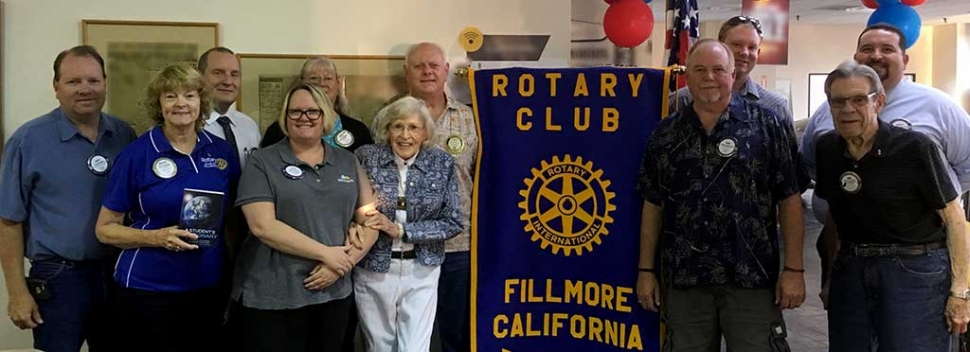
x: 901, y: 16
x: 886, y: 2
x: 646, y: 1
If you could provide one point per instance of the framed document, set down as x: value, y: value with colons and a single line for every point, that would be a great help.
x: 369, y: 81
x: 134, y: 51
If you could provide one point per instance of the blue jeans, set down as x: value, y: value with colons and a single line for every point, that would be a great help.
x: 453, y: 297
x: 76, y: 310
x: 889, y: 303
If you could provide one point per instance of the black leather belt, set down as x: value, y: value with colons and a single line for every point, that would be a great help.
x: 403, y: 255
x: 889, y: 250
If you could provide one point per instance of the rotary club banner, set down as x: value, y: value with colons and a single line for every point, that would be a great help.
x: 557, y: 216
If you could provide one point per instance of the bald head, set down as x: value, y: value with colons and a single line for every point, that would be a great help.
x: 710, y: 46
x: 426, y: 70
x: 710, y: 73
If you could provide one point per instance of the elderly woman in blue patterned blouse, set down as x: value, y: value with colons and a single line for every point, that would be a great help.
x: 396, y: 284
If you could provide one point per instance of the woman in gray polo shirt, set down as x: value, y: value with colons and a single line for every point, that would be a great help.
x: 298, y: 196
x: 396, y: 285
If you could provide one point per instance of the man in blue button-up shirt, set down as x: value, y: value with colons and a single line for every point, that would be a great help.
x: 51, y: 180
x: 715, y: 177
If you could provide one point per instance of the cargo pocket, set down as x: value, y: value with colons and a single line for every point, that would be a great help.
x: 778, y: 339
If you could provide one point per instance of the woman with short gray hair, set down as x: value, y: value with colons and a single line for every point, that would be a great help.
x: 396, y: 284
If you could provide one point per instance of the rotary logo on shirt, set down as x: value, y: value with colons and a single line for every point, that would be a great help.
x: 345, y: 179
x: 219, y: 163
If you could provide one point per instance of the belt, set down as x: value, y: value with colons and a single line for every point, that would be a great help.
x: 889, y: 250
x: 403, y: 255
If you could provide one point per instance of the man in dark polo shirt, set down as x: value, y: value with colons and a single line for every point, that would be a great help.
x: 715, y: 178
x: 899, y: 225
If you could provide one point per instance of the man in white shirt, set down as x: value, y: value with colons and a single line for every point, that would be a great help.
x: 220, y: 70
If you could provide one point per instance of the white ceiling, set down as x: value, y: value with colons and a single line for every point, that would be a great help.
x: 834, y: 11
x: 822, y: 11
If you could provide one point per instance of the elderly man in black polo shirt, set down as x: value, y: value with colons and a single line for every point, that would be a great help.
x: 899, y: 225
x: 715, y: 178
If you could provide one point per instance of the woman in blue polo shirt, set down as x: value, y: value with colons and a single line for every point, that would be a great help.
x: 173, y: 183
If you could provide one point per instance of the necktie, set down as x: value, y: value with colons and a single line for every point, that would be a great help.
x: 227, y: 128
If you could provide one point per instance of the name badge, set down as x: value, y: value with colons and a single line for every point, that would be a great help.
x: 850, y: 182
x: 293, y: 172
x: 455, y: 144
x: 164, y: 168
x: 727, y: 147
x: 344, y: 138
x: 98, y: 164
x: 901, y: 123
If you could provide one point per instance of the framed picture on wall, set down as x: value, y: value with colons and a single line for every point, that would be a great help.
x: 134, y: 51
x: 910, y: 77
x: 369, y: 81
x: 816, y: 91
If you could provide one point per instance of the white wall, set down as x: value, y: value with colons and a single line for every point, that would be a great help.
x: 36, y: 30
x: 813, y: 49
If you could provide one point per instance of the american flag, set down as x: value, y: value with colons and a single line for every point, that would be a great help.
x: 682, y: 22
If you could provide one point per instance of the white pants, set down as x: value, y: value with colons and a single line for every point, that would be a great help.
x: 397, y: 308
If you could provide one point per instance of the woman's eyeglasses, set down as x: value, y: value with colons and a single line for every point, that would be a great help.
x: 311, y: 114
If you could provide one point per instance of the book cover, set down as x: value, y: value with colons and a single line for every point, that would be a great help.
x: 202, y: 213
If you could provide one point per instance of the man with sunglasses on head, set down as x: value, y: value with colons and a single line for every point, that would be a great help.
x: 908, y: 105
x: 743, y: 35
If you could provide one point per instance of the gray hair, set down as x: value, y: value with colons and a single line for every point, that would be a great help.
x: 712, y: 41
x: 400, y: 109
x: 342, y: 105
x: 850, y: 68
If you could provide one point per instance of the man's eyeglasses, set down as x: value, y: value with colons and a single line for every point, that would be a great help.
x: 311, y: 114
x: 856, y: 101
x: 754, y: 22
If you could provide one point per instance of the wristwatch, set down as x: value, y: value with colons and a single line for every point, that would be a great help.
x: 960, y: 294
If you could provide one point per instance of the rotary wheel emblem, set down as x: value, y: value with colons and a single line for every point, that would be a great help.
x: 566, y: 205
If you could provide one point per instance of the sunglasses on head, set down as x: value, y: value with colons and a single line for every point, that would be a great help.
x: 754, y: 22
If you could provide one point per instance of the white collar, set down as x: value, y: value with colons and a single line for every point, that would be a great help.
x: 401, y: 163
x: 214, y: 115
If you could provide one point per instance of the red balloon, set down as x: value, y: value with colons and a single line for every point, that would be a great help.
x: 628, y: 23
x: 913, y: 2
x: 870, y: 4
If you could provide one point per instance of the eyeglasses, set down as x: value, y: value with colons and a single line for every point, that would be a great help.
x: 754, y: 22
x: 311, y: 114
x: 857, y: 101
x: 399, y: 128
